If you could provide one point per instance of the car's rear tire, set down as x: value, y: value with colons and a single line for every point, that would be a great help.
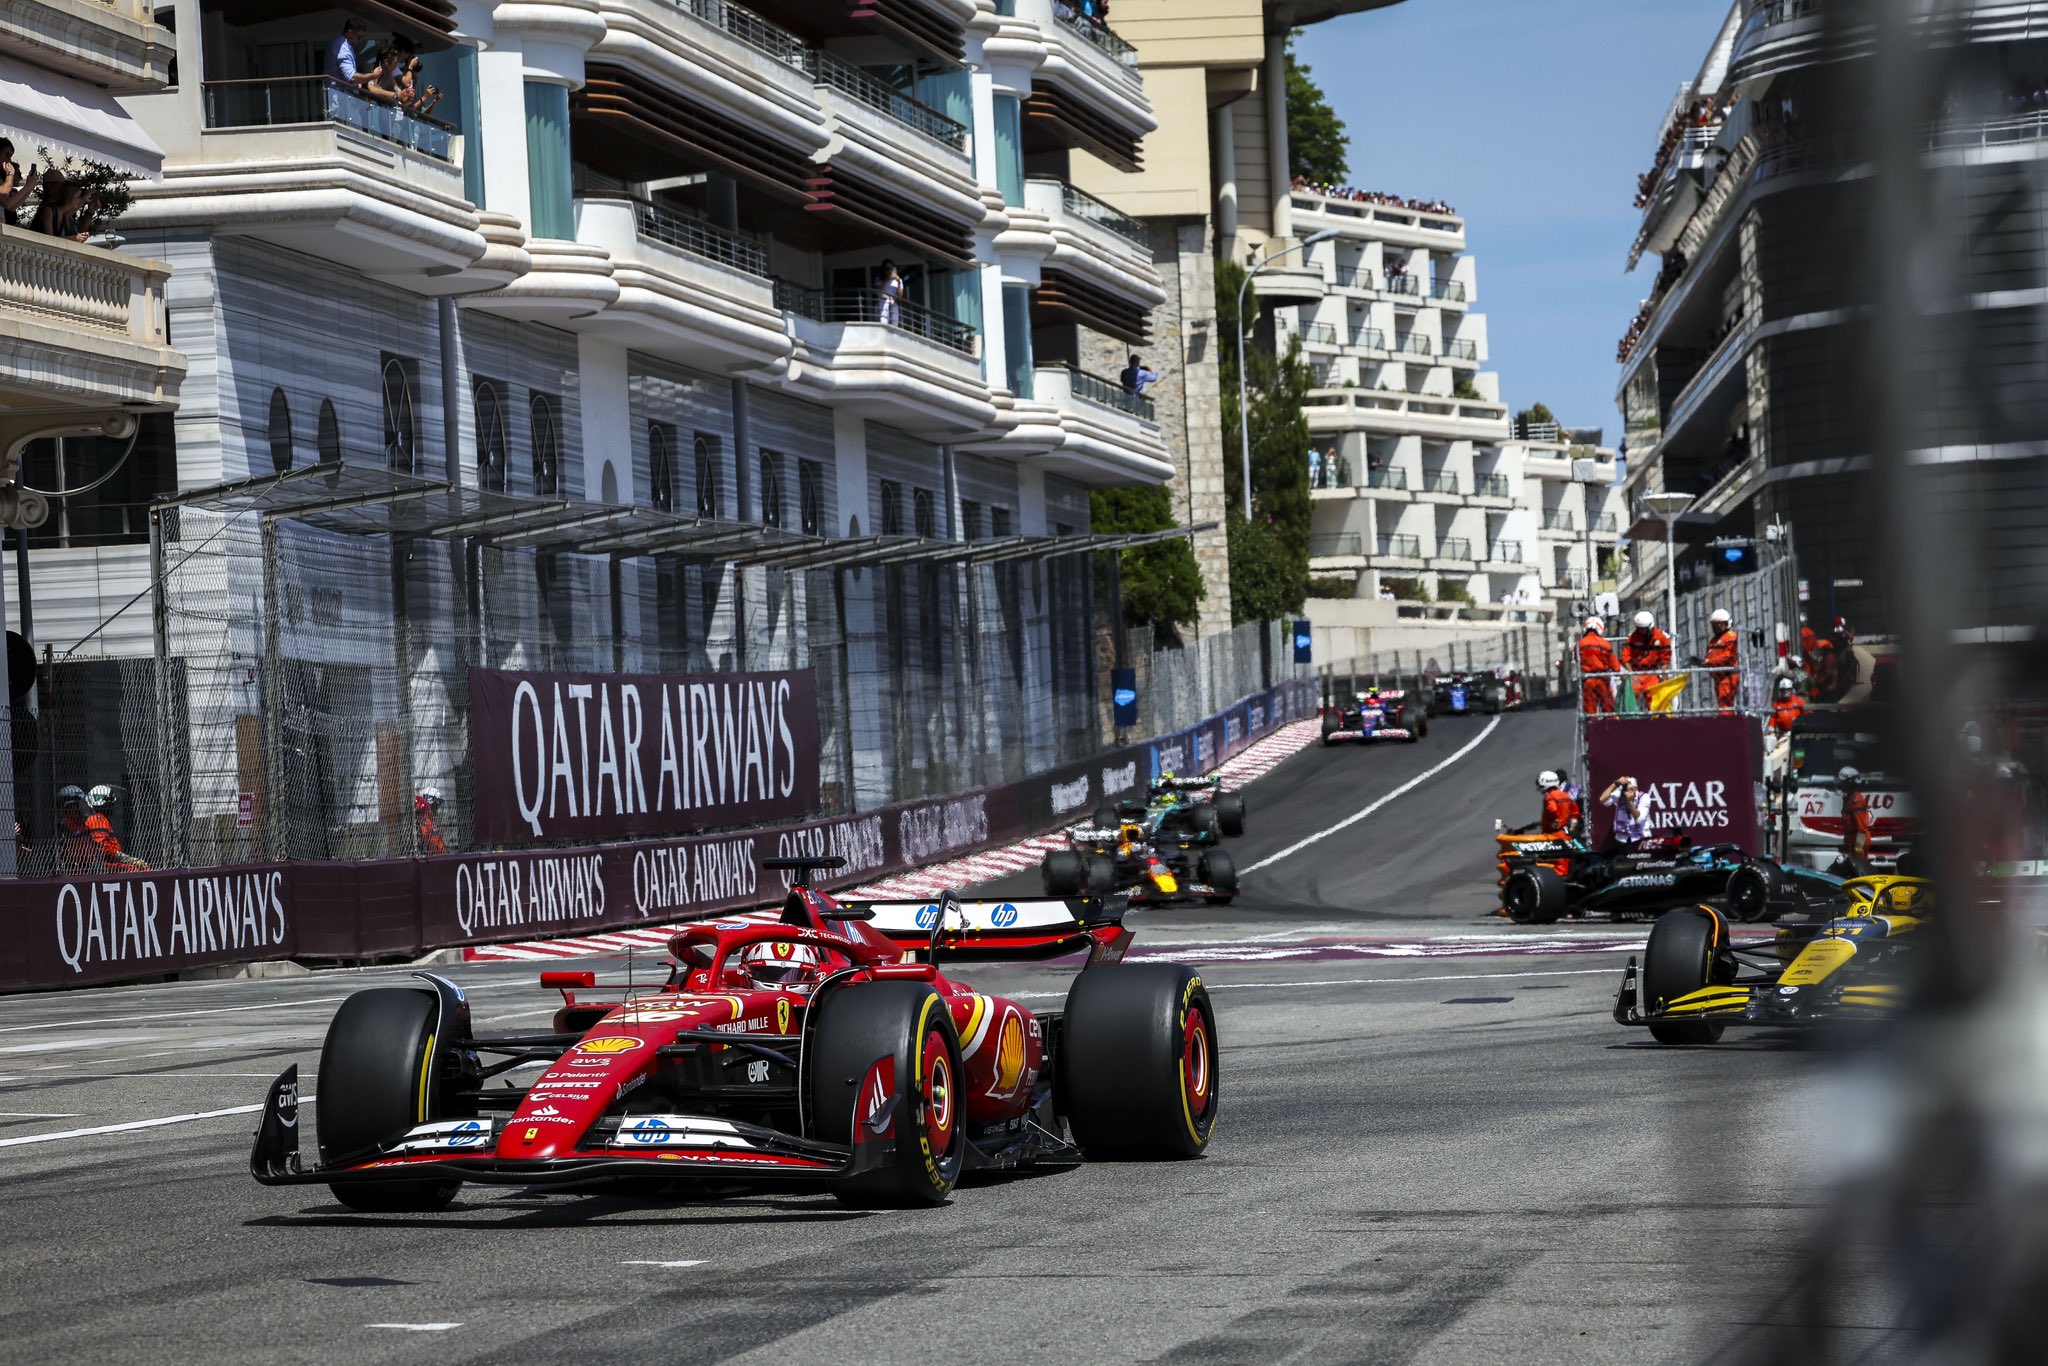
x: 1683, y: 955
x: 909, y: 1024
x: 1230, y: 812
x: 1534, y: 896
x: 1331, y: 725
x: 1219, y: 870
x: 1105, y: 817
x: 1754, y: 892
x: 1101, y: 875
x: 378, y: 1078
x: 1138, y: 1062
x: 1061, y: 872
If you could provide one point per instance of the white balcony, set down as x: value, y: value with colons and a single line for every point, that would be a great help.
x: 568, y: 284
x: 1331, y: 411
x: 884, y: 136
x: 888, y: 360
x: 1109, y: 436
x: 313, y: 167
x: 82, y: 327
x: 1377, y: 222
x: 723, y: 56
x: 1095, y: 242
x: 115, y: 44
x: 1094, y: 64
x: 686, y: 290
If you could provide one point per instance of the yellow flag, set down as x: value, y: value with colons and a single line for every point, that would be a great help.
x: 1666, y: 693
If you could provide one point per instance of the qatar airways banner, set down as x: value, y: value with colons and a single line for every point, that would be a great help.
x: 561, y: 757
x: 1703, y: 775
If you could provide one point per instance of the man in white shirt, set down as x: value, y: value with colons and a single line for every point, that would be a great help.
x: 341, y: 53
x: 1631, y: 807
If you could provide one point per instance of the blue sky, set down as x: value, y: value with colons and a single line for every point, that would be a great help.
x: 1532, y: 118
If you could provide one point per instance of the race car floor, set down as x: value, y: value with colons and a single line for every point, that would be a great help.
x: 1421, y: 1158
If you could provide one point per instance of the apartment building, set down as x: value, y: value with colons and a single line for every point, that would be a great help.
x: 1217, y: 188
x: 1741, y: 379
x: 1571, y: 486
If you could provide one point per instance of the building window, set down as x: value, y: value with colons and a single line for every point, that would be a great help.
x: 493, y: 451
x: 771, y: 489
x: 1017, y: 338
x: 547, y: 161
x: 547, y: 445
x: 1010, y: 148
x: 401, y: 417
x: 926, y: 514
x: 280, y: 431
x: 998, y: 522
x: 327, y: 440
x: 810, y: 497
x: 661, y: 466
x: 970, y: 520
x: 892, y: 508
x: 707, y: 476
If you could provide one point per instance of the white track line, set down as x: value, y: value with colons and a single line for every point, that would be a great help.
x: 1355, y: 817
x: 138, y: 1124
x: 171, y: 1015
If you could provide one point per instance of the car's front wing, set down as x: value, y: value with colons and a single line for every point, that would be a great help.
x: 1758, y: 1003
x: 1367, y: 736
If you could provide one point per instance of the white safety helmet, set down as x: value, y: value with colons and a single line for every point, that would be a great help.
x: 1644, y: 621
x: 1719, y: 616
x: 1592, y: 623
x: 100, y: 798
x: 1548, y: 779
x: 1784, y: 685
x: 1848, y: 775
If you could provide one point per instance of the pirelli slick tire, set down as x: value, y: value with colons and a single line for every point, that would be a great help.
x: 1414, y: 720
x: 1685, y: 952
x: 1331, y: 725
x: 378, y: 1078
x: 919, y: 1086
x: 1101, y: 875
x: 1206, y: 822
x: 1534, y: 896
x: 1494, y: 700
x: 1230, y: 813
x: 1219, y: 870
x: 1137, y: 1065
x: 1061, y: 872
x: 1755, y: 891
x: 1105, y: 817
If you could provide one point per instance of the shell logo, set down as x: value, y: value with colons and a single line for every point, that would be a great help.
x: 608, y: 1045
x: 1009, y: 1069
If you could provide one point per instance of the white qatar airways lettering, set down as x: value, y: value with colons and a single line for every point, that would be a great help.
x: 117, y: 921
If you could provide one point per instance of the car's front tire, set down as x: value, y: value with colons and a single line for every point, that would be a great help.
x: 1138, y: 1060
x: 909, y: 1024
x: 1219, y: 870
x: 378, y: 1079
x: 1684, y: 954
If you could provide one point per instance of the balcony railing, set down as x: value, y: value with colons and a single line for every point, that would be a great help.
x: 1443, y: 481
x: 74, y: 285
x: 1081, y: 204
x: 1493, y: 486
x: 1461, y: 350
x: 1318, y: 334
x: 1109, y: 393
x: 1451, y: 291
x: 1403, y: 284
x: 1537, y: 431
x: 1506, y: 552
x: 1369, y: 338
x: 1387, y: 479
x: 1572, y: 580
x: 286, y: 100
x: 696, y: 238
x: 872, y: 306
x: 1559, y: 521
x: 1355, y: 277
x: 1102, y: 37
x: 1414, y: 345
x: 1402, y: 547
x: 1608, y: 523
x: 1454, y: 548
x: 750, y: 28
x: 841, y: 75
x: 1342, y: 544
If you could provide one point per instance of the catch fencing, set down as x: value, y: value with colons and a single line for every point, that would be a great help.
x: 1531, y: 649
x: 291, y: 682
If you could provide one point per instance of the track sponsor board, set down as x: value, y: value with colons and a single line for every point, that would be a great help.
x: 1700, y: 773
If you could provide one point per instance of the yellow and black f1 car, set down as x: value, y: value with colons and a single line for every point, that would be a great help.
x: 1694, y: 981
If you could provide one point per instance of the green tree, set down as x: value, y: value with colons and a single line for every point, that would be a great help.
x: 1161, y: 585
x: 1268, y: 549
x: 1535, y: 412
x: 1317, y: 145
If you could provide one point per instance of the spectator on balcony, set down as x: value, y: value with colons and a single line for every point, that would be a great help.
x: 341, y: 54
x: 67, y: 208
x: 16, y: 185
x: 1136, y: 379
x: 889, y: 285
x: 1315, y: 468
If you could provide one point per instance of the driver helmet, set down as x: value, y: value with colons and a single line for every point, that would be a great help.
x: 1130, y: 833
x: 1719, y: 616
x: 1548, y: 779
x: 1644, y: 621
x: 782, y: 963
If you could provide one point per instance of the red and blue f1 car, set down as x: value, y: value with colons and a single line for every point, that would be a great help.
x: 823, y: 1042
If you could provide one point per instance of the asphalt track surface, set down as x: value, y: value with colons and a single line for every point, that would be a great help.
x: 1445, y: 1159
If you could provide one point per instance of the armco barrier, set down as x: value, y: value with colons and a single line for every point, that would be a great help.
x: 76, y: 932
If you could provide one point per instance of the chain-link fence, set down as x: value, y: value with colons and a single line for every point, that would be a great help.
x: 295, y: 683
x: 1532, y: 650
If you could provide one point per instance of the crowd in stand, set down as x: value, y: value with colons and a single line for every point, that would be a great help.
x: 1701, y: 113
x: 2029, y: 95
x: 1390, y: 201
x: 1668, y: 272
x: 388, y: 71
x: 1627, y: 346
x: 1093, y: 12
x: 65, y: 207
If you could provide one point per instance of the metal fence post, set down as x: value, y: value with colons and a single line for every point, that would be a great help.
x: 274, y: 699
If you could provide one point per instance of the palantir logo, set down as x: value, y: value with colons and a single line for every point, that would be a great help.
x: 1005, y: 916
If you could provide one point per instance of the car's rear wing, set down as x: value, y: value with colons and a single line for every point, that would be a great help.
x: 1186, y: 784
x: 998, y: 931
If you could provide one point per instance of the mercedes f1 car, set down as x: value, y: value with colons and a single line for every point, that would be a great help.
x: 1544, y: 878
x: 1146, y: 870
x: 1694, y: 980
x: 824, y: 1042
x: 1199, y: 810
x: 1376, y: 714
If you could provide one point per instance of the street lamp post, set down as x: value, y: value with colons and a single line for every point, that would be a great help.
x: 1244, y: 419
x: 1669, y: 507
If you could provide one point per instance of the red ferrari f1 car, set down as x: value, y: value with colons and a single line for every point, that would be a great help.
x: 822, y: 1043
